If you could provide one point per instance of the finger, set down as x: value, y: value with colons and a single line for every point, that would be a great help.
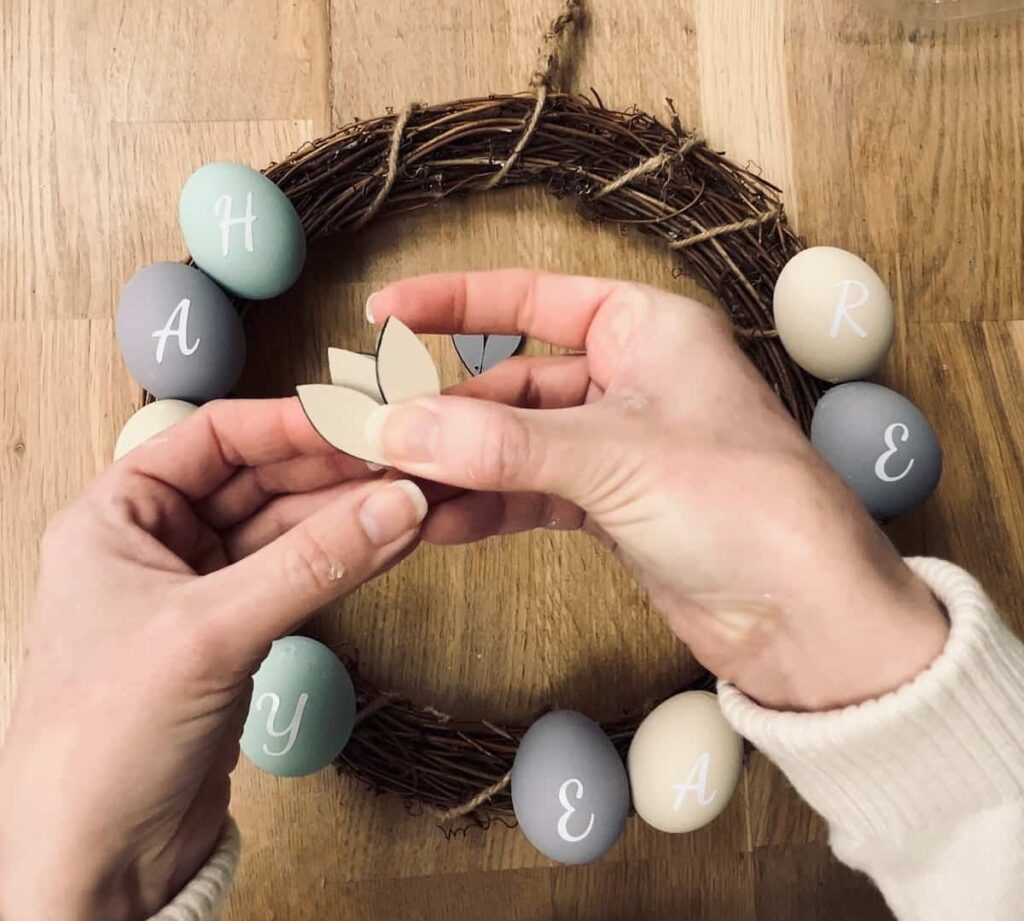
x: 204, y: 450
x: 285, y: 512
x: 271, y: 592
x: 278, y: 517
x: 250, y: 488
x: 474, y: 516
x: 555, y: 308
x: 531, y: 383
x: 491, y: 447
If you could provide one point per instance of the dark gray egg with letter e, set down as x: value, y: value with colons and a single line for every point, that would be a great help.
x: 880, y: 444
x: 570, y: 791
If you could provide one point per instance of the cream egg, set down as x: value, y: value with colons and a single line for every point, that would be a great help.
x: 151, y: 420
x: 684, y: 763
x: 833, y: 314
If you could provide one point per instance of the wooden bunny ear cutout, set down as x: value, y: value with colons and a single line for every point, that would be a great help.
x: 339, y: 416
x: 355, y: 371
x: 405, y: 369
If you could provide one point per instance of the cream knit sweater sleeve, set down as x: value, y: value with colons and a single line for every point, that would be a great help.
x: 923, y: 789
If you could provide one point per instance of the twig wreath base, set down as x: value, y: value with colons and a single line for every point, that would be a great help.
x: 722, y: 225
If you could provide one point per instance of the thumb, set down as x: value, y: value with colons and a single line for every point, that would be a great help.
x: 480, y: 445
x: 271, y: 592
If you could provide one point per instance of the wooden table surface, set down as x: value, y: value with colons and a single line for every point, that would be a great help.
x: 904, y: 145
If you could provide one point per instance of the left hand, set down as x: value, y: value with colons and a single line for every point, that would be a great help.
x: 161, y: 589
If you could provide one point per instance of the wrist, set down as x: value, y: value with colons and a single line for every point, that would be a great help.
x: 51, y: 868
x: 820, y: 649
x: 62, y: 889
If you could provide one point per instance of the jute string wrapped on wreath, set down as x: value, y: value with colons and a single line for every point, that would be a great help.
x: 722, y: 225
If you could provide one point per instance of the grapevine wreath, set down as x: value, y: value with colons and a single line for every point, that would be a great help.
x: 722, y: 225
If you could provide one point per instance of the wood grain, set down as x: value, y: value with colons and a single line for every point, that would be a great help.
x: 900, y: 142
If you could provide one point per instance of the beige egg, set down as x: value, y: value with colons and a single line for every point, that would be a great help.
x: 151, y: 420
x: 833, y: 313
x: 684, y: 763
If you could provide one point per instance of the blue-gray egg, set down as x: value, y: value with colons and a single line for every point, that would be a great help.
x: 570, y: 791
x: 180, y: 335
x: 242, y: 230
x: 302, y: 710
x: 880, y: 444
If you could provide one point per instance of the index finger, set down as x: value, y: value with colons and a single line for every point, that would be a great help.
x: 200, y: 453
x: 556, y: 308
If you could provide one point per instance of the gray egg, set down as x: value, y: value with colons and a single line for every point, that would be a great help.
x: 180, y: 335
x: 570, y: 791
x: 880, y: 444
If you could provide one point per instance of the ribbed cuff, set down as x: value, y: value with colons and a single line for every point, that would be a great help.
x: 203, y: 898
x: 949, y: 741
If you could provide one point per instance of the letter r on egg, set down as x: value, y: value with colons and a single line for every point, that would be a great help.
x: 846, y: 304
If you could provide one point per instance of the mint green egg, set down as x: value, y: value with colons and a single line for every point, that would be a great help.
x: 302, y: 711
x: 242, y: 230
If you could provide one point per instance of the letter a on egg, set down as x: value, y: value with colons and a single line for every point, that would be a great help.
x: 405, y: 369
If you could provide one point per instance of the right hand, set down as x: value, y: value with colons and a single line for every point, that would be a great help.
x: 663, y: 441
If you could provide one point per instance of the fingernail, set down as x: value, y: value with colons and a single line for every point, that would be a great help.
x: 392, y: 511
x: 403, y: 433
x: 369, y: 308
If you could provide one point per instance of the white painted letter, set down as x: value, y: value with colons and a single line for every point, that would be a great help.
x: 697, y: 781
x: 563, y: 822
x: 222, y: 208
x: 180, y: 332
x: 844, y: 307
x: 892, y: 449
x: 291, y: 730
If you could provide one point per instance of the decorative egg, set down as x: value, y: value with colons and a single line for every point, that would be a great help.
x: 684, y: 763
x: 880, y: 444
x: 302, y: 711
x: 242, y: 230
x: 151, y: 420
x: 833, y: 313
x: 570, y: 792
x: 180, y: 336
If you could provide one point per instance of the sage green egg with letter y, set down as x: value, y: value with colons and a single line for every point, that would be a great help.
x: 303, y: 709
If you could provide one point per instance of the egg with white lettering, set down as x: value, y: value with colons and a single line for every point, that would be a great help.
x: 149, y: 421
x: 569, y: 788
x: 242, y: 230
x: 833, y: 313
x: 179, y: 334
x: 880, y: 443
x: 302, y: 711
x: 684, y: 763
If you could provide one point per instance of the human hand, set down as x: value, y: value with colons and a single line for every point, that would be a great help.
x: 161, y: 589
x: 663, y: 441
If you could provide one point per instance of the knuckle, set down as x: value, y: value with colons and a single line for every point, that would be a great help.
x: 313, y: 564
x: 504, y: 452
